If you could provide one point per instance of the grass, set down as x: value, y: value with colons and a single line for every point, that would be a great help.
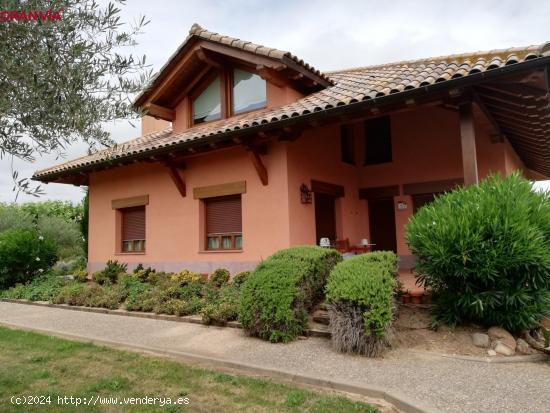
x: 39, y: 365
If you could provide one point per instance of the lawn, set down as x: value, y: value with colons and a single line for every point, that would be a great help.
x: 37, y: 365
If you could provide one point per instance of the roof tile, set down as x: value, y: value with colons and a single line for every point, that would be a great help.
x: 350, y: 85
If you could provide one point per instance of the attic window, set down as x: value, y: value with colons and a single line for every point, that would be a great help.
x: 207, y: 105
x: 249, y: 91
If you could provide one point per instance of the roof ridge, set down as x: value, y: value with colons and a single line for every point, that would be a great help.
x: 442, y: 58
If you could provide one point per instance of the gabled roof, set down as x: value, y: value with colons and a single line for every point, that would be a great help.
x: 197, y: 33
x: 352, y: 90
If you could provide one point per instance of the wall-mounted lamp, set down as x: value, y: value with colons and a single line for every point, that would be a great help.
x: 305, y: 194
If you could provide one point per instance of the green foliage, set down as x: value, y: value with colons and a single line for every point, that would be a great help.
x: 73, y: 294
x: 366, y: 281
x: 240, y: 278
x: 143, y: 274
x: 220, y: 277
x: 83, y: 222
x: 279, y: 293
x: 185, y: 277
x: 56, y: 220
x: 484, y: 251
x: 222, y: 306
x: 111, y: 272
x: 24, y: 254
x: 66, y: 92
x: 80, y: 275
x: 42, y: 288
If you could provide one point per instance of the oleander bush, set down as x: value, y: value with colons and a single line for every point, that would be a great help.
x: 24, y: 255
x: 220, y: 277
x: 484, y: 251
x: 280, y: 292
x: 361, y: 305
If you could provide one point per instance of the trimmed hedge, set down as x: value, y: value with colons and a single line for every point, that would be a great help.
x: 280, y: 292
x: 484, y: 251
x: 360, y: 294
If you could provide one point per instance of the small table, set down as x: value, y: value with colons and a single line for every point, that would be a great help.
x: 361, y: 249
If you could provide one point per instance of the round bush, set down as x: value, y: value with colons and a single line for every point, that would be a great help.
x: 220, y: 277
x: 484, y: 251
x: 279, y: 293
x: 24, y: 254
x: 360, y: 294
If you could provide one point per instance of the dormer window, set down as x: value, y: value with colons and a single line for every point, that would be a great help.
x: 208, y: 105
x: 249, y: 91
x: 229, y: 93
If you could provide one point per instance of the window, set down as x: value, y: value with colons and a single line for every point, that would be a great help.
x: 249, y: 91
x: 346, y: 145
x: 207, y: 106
x: 133, y: 229
x: 231, y: 92
x: 224, y: 223
x: 378, y: 147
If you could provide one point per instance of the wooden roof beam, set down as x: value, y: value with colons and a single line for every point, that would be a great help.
x: 160, y: 112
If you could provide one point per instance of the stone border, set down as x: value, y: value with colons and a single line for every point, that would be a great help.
x: 400, y: 401
x: 140, y: 314
x: 528, y: 358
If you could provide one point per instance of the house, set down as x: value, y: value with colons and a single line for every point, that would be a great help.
x: 246, y: 150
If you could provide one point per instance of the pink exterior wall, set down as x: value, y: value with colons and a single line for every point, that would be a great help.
x: 426, y: 147
x: 172, y: 222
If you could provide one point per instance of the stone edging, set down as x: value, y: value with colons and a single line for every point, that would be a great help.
x: 395, y: 398
x: 140, y: 314
x: 528, y: 358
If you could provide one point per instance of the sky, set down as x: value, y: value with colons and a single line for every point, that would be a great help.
x: 329, y: 35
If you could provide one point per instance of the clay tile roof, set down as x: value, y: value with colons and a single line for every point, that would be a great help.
x: 350, y: 86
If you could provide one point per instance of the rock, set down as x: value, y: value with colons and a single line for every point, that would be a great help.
x: 503, y: 349
x: 523, y: 348
x: 480, y: 340
x: 500, y: 334
x: 491, y: 353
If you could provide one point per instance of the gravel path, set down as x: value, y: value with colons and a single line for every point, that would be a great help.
x: 447, y: 384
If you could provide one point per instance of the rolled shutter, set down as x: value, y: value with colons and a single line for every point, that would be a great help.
x: 223, y: 215
x: 133, y: 223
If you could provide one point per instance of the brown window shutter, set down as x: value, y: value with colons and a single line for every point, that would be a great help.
x: 223, y: 215
x: 133, y: 223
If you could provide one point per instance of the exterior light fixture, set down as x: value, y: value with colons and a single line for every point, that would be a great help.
x: 305, y: 194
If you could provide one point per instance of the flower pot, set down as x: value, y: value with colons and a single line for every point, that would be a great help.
x: 406, y: 298
x: 416, y: 298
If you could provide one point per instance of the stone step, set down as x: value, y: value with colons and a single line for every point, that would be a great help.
x: 321, y: 317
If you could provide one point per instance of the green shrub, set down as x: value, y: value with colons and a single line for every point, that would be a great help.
x: 360, y: 294
x: 279, y: 293
x: 222, y: 306
x: 185, y: 277
x: 80, y: 275
x: 73, y: 294
x: 240, y: 278
x: 108, y: 296
x: 24, y: 254
x: 42, y: 288
x: 139, y: 298
x: 110, y: 274
x: 144, y: 274
x: 484, y: 251
x: 220, y: 277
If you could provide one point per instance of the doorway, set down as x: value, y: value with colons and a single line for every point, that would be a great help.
x: 325, y: 216
x: 382, y: 224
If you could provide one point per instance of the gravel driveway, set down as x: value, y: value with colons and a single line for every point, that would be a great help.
x: 447, y: 384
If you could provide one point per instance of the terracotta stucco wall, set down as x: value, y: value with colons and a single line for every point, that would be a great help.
x: 316, y: 155
x: 172, y: 222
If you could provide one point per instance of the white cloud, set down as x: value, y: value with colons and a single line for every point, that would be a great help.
x: 328, y: 34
